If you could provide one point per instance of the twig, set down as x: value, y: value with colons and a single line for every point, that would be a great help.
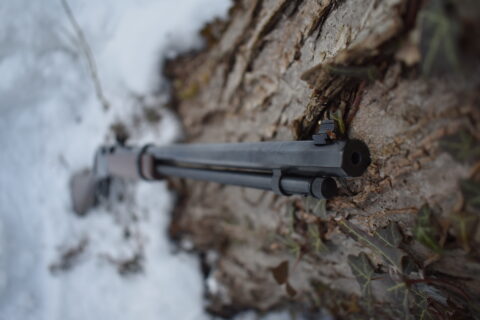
x: 92, y: 67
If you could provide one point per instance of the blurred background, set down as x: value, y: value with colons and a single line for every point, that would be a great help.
x: 72, y: 74
x: 400, y: 75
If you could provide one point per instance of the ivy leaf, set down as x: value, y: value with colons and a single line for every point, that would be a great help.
x: 421, y: 305
x: 390, y: 235
x: 280, y: 272
x: 399, y: 293
x: 471, y: 193
x: 384, y: 242
x: 462, y: 146
x: 363, y: 271
x: 426, y: 230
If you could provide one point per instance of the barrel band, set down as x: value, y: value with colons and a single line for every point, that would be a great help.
x: 276, y: 182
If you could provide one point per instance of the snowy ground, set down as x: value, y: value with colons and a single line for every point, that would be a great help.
x: 50, y: 125
x: 121, y: 263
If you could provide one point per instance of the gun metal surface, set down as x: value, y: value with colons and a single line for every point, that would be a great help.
x: 287, y: 168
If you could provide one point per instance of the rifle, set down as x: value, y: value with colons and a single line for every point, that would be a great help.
x: 286, y: 168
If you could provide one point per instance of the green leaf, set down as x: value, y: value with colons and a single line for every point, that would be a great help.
x: 462, y: 146
x: 390, y: 235
x: 426, y: 230
x: 363, y: 271
x: 384, y: 242
x: 471, y: 193
x: 398, y: 292
x: 421, y: 305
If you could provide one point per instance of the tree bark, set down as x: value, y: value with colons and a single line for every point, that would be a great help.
x: 399, y: 242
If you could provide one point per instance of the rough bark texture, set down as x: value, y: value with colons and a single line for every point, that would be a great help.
x: 399, y: 242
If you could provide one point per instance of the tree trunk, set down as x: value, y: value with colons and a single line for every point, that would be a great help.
x: 403, y: 76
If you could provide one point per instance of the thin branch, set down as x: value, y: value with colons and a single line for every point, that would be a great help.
x: 92, y: 67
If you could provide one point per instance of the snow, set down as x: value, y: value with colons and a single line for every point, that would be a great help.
x: 50, y: 124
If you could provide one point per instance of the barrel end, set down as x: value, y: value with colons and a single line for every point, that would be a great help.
x: 356, y: 158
